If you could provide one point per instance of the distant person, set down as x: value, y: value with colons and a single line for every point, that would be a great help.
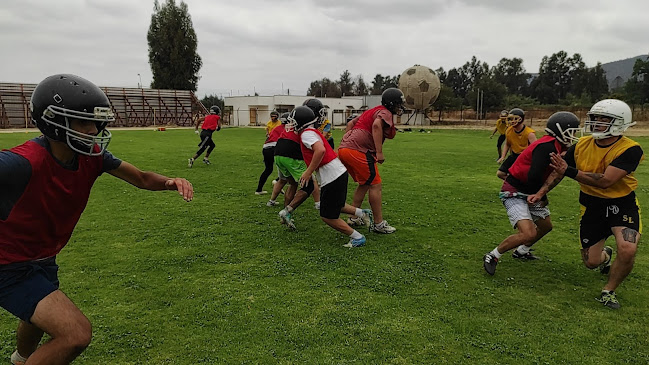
x: 517, y: 137
x: 268, y: 151
x: 211, y: 123
x: 501, y: 128
x: 526, y: 178
x: 326, y: 129
x: 46, y: 184
x: 273, y: 123
x: 361, y: 149
x: 603, y: 164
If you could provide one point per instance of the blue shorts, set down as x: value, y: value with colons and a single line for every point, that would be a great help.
x: 24, y: 284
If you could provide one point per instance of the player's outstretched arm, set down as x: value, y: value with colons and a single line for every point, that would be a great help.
x: 153, y: 181
x: 610, y: 176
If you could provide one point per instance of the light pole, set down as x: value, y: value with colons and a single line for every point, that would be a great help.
x: 140, y: 84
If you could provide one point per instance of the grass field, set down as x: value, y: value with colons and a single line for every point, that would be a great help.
x: 219, y: 280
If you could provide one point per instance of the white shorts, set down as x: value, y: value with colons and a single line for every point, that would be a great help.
x: 518, y: 209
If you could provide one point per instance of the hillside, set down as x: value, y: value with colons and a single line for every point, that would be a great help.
x: 618, y: 72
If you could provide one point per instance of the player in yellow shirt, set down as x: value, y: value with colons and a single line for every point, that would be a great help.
x: 501, y: 128
x: 603, y: 164
x: 517, y: 137
x: 325, y: 128
x: 272, y: 123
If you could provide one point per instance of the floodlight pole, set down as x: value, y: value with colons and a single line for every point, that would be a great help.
x: 140, y: 84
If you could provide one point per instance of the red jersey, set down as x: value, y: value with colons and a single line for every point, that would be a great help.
x: 275, y: 134
x: 211, y: 122
x: 523, y: 163
x: 42, y: 220
x: 360, y: 137
x: 329, y: 155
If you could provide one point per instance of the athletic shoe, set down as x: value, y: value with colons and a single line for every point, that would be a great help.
x: 528, y: 256
x: 17, y: 359
x: 355, y: 221
x: 605, y: 267
x: 355, y: 242
x: 190, y: 162
x: 368, y: 219
x: 490, y: 262
x: 272, y: 203
x: 286, y: 218
x: 261, y: 192
x: 609, y: 299
x: 383, y: 227
x: 274, y: 181
x: 206, y: 161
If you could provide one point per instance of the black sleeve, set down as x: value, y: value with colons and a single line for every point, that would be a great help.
x: 15, y: 172
x: 570, y: 156
x: 540, y: 163
x: 110, y: 162
x: 629, y: 159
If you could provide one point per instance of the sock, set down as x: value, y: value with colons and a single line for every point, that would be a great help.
x: 522, y: 249
x: 289, y: 208
x: 317, y: 205
x: 355, y: 235
x: 495, y: 253
x: 359, y: 212
x: 15, y: 357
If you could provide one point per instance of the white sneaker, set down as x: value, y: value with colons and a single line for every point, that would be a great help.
x: 272, y: 203
x: 355, y: 221
x: 16, y: 359
x: 261, y: 192
x: 274, y: 181
x: 206, y: 161
x: 190, y: 162
x: 384, y: 227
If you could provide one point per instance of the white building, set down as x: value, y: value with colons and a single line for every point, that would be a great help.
x: 255, y: 110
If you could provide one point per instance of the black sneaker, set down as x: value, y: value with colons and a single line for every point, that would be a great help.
x: 490, y: 261
x: 527, y: 256
x: 609, y: 300
x: 605, y: 267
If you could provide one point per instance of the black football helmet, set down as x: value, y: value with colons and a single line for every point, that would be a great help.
x: 516, y: 116
x: 214, y: 109
x: 60, y: 98
x: 564, y: 126
x: 300, y: 118
x: 318, y: 109
x: 274, y: 113
x: 284, y: 117
x: 393, y: 100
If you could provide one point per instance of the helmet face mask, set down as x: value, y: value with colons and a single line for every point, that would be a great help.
x: 515, y: 117
x: 60, y: 99
x: 564, y: 126
x: 318, y: 109
x: 608, y: 118
x: 300, y: 118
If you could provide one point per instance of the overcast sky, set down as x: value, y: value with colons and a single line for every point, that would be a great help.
x: 269, y: 46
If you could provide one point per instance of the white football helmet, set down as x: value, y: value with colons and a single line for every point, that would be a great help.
x: 619, y: 113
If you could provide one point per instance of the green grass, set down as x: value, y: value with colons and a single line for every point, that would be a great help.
x: 219, y: 280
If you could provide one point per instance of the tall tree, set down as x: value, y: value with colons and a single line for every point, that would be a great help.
x: 558, y: 75
x: 172, y: 47
x: 345, y: 83
x: 637, y: 87
x: 378, y: 85
x: 210, y: 100
x: 360, y: 86
x: 511, y: 73
x: 324, y: 87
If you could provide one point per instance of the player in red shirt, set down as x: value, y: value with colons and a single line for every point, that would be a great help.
x: 44, y: 187
x: 211, y: 123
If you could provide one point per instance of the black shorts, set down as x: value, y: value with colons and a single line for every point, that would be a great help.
x: 509, y: 161
x: 333, y: 197
x: 598, y: 219
x: 24, y: 284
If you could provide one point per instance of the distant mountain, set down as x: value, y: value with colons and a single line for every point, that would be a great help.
x: 617, y: 72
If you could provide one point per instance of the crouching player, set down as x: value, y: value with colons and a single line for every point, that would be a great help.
x: 521, y: 193
x: 321, y: 159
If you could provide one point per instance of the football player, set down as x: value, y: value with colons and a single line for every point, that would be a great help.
x: 501, y: 128
x: 322, y: 160
x: 603, y: 164
x: 526, y: 177
x: 517, y: 137
x: 211, y: 123
x: 362, y: 148
x: 45, y: 185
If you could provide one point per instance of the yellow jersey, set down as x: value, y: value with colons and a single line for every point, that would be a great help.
x: 501, y: 125
x: 589, y: 157
x: 518, y: 141
x: 271, y: 125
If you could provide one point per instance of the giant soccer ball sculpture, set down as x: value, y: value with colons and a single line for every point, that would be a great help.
x: 420, y: 86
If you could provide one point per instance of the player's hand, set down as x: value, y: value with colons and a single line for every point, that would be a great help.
x: 491, y: 136
x: 379, y: 157
x: 304, y: 179
x: 500, y: 160
x: 533, y: 199
x: 184, y: 187
x: 218, y: 128
x: 558, y: 163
